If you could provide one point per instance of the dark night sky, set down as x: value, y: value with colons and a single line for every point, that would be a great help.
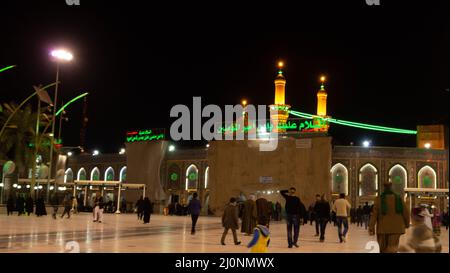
x: 385, y: 65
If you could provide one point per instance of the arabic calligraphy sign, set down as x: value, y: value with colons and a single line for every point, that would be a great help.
x: 292, y: 125
x: 145, y: 135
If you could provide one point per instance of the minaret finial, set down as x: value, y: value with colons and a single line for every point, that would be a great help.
x: 322, y: 82
x: 280, y: 66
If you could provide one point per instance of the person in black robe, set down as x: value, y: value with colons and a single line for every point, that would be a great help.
x: 10, y: 205
x: 147, y: 210
x: 20, y: 205
x: 278, y: 211
x: 40, y: 207
x: 29, y: 205
x: 139, y: 204
x: 249, y: 216
x: 263, y: 209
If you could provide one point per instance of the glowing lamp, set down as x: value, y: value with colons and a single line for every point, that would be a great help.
x: 61, y: 55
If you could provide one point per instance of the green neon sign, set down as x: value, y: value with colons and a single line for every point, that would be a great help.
x: 70, y: 102
x: 305, y: 126
x: 46, y: 142
x: 280, y: 107
x: 356, y: 124
x: 145, y: 135
x: 6, y: 68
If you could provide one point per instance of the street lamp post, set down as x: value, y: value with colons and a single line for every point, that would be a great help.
x: 61, y: 118
x: 59, y: 55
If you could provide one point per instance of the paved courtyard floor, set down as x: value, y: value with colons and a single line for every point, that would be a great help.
x: 167, y: 234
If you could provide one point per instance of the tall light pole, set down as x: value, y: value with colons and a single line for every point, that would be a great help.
x: 59, y: 55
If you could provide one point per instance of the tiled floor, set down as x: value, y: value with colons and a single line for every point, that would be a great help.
x: 123, y: 233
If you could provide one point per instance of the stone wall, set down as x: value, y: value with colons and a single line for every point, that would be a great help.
x: 237, y: 166
x: 144, y: 161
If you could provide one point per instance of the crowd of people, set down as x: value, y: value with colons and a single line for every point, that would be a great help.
x: 26, y: 205
x: 388, y: 217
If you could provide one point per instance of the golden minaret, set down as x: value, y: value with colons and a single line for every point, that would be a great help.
x: 320, y: 123
x: 279, y: 111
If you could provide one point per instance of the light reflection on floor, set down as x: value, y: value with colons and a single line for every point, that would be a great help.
x: 167, y: 234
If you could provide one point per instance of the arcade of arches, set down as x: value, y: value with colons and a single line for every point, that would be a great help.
x: 356, y: 171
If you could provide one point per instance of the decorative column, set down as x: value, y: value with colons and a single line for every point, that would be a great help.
x: 118, y: 198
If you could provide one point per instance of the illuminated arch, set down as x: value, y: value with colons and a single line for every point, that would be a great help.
x: 339, y: 179
x: 81, y: 175
x: 109, y: 174
x: 398, y: 176
x: 426, y: 178
x: 68, y: 175
x: 368, y: 180
x: 191, y: 177
x: 123, y: 174
x: 95, y: 174
x: 206, y: 177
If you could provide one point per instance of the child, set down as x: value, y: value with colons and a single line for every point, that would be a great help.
x: 419, y: 237
x: 260, y: 240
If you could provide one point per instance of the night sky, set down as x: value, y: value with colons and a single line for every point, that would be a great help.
x: 385, y: 65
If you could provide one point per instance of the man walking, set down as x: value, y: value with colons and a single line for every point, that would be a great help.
x: 322, y: 209
x: 98, y: 209
x: 314, y: 209
x: 194, y: 208
x: 294, y: 211
x: 366, y: 215
x: 67, y: 203
x: 391, y: 218
x: 139, y: 204
x: 55, y: 203
x: 230, y: 220
x: 359, y: 213
x: 342, y: 207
